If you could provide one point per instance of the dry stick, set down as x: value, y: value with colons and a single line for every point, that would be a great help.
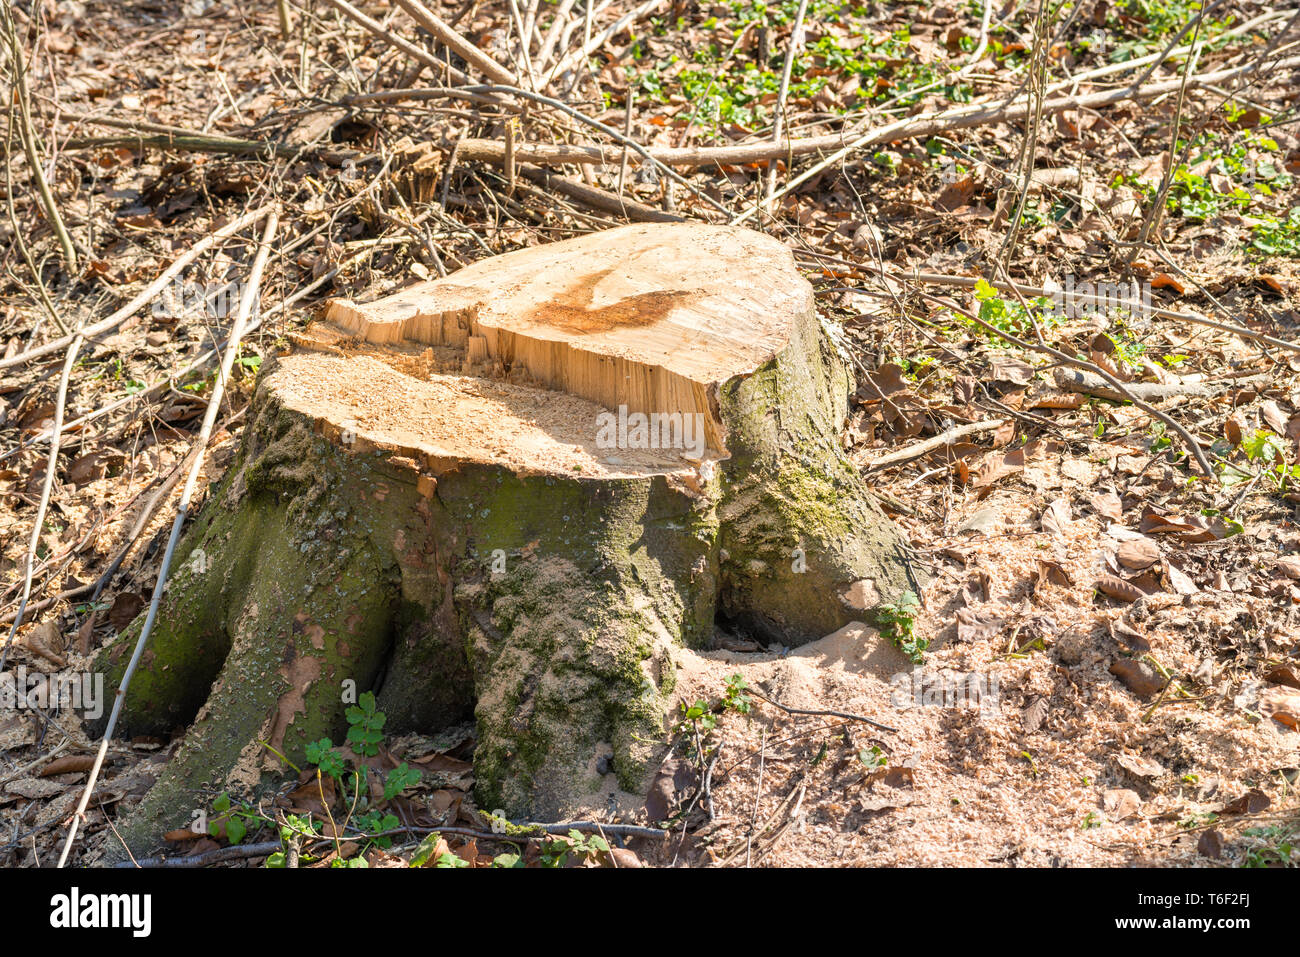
x: 171, y: 377
x: 1174, y: 159
x: 530, y: 25
x: 929, y: 445
x: 778, y: 123
x: 20, y: 772
x: 246, y: 303
x: 1066, y: 359
x: 591, y: 44
x: 160, y: 493
x: 521, y: 25
x: 24, y: 250
x: 608, y: 131
x: 1195, y: 318
x: 51, y: 466
x: 457, y: 43
x: 598, y: 198
x: 426, y: 93
x: 27, y: 133
x: 282, y: 9
x: 921, y: 125
x: 929, y: 124
x: 553, y: 33
x: 833, y: 714
x: 192, y: 143
x: 758, y: 794
x: 146, y: 294
x: 406, y: 46
x: 1155, y: 215
x: 1035, y: 94
x: 1194, y: 47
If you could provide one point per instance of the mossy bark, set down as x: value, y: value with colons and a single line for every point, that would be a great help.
x: 549, y: 607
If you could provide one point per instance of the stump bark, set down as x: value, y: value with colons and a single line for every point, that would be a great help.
x: 512, y: 495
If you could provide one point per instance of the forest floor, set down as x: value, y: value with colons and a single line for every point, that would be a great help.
x: 1105, y: 664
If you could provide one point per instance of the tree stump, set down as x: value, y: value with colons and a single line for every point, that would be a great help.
x: 513, y: 494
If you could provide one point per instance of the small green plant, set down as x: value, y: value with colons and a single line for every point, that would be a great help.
x: 1090, y: 820
x: 873, y: 758
x: 1275, y: 236
x: 365, y: 734
x: 582, y: 846
x: 734, y: 698
x: 325, y: 756
x: 1268, y: 453
x: 366, y: 726
x: 897, y: 620
x: 234, y: 819
x: 399, y: 779
x: 1013, y: 317
x: 1274, y: 846
x: 295, y: 827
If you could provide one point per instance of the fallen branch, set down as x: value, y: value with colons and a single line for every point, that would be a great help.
x: 1189, y: 441
x: 931, y: 444
x: 921, y: 125
x: 598, y: 198
x: 457, y: 43
x: 1075, y: 380
x: 391, y: 38
x: 929, y: 124
x: 236, y: 852
x: 192, y: 143
x: 51, y: 466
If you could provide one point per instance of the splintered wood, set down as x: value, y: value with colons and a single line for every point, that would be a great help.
x: 648, y: 319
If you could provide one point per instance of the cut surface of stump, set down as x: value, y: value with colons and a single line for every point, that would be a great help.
x: 511, y: 495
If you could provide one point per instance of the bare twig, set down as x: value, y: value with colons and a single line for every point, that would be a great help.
x: 833, y: 714
x: 944, y: 438
x: 458, y: 44
x: 1065, y: 358
x: 248, y: 300
x: 145, y: 295
x: 27, y: 133
x: 51, y: 466
x: 778, y: 123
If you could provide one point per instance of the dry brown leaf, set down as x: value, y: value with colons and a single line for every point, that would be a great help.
x: 1277, y: 419
x: 1054, y: 573
x: 1034, y: 714
x: 1056, y: 518
x: 1107, y: 505
x: 1283, y: 675
x: 1012, y: 370
x: 972, y: 626
x: 1138, y: 676
x: 126, y: 606
x: 995, y: 466
x: 1282, y: 706
x: 68, y: 765
x: 1137, y: 554
x: 1252, y: 802
x: 1139, y: 766
x: 1120, y: 803
x: 1118, y: 588
x: 46, y: 640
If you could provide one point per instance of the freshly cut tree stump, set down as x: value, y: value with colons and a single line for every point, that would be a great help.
x: 512, y: 494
